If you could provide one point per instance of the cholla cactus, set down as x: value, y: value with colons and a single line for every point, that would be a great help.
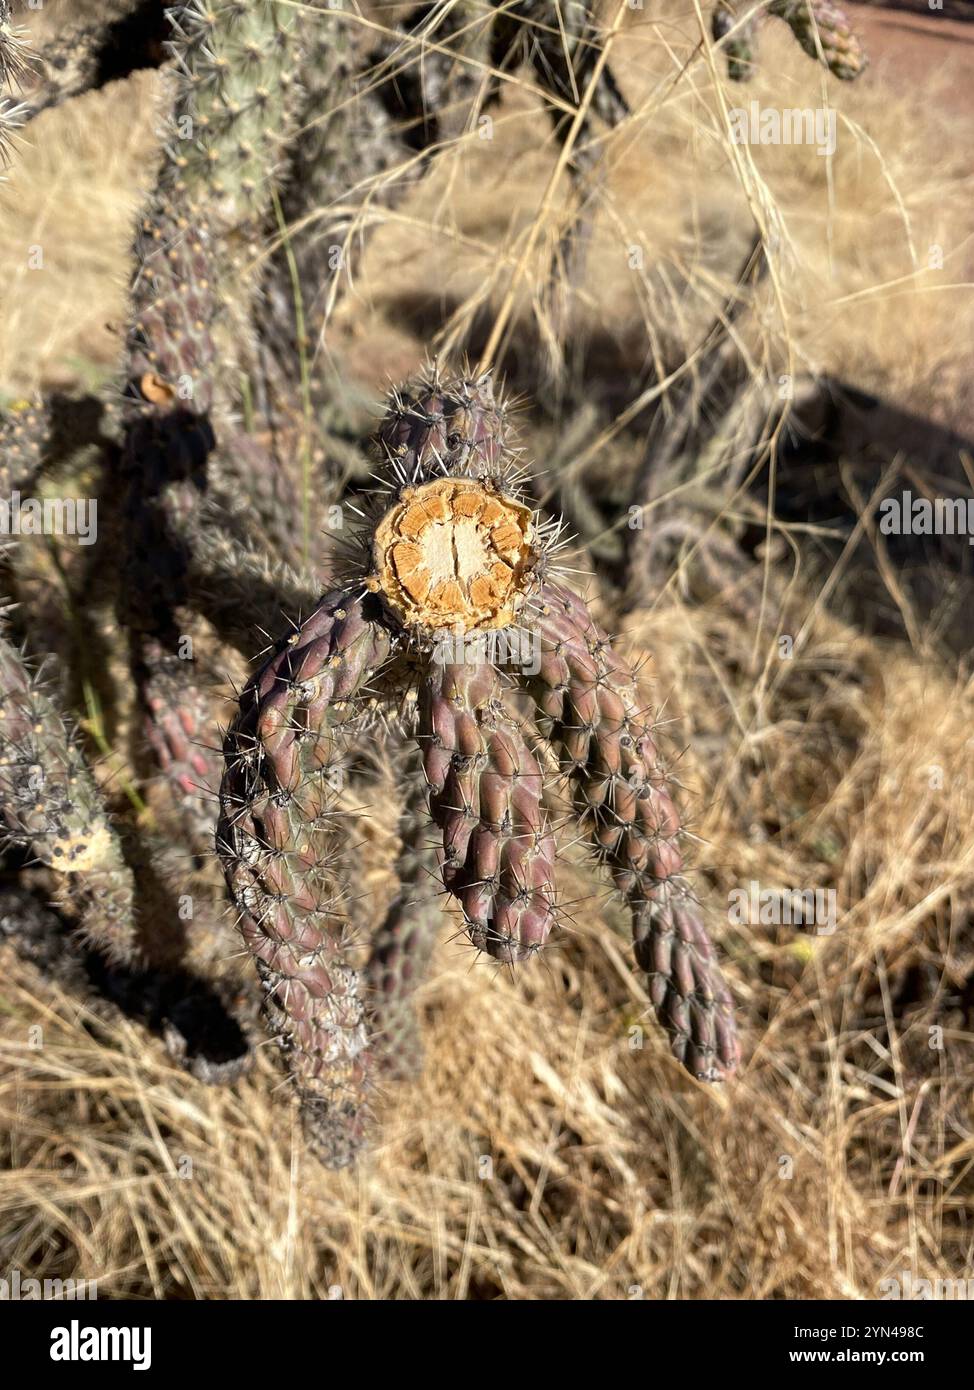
x: 449, y: 586
x: 824, y: 31
x: 16, y: 59
x: 822, y: 28
x: 739, y: 39
x: 232, y: 110
x: 51, y: 807
x: 448, y: 630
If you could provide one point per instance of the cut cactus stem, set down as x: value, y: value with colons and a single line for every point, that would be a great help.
x: 430, y: 553
x: 449, y: 549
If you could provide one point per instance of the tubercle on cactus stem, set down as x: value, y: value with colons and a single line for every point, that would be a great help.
x: 486, y: 789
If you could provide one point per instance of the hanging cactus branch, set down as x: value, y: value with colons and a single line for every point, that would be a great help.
x: 449, y: 576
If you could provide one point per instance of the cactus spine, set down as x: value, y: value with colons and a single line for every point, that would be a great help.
x: 450, y: 555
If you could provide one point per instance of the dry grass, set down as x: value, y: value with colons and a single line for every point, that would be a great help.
x: 543, y: 1155
x: 856, y: 229
x: 75, y: 195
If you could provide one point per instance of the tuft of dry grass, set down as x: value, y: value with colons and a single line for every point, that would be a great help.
x: 66, y: 219
x: 873, y: 258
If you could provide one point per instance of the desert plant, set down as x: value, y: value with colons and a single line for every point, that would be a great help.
x: 451, y: 599
x: 821, y: 28
x: 51, y: 807
x: 449, y: 630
